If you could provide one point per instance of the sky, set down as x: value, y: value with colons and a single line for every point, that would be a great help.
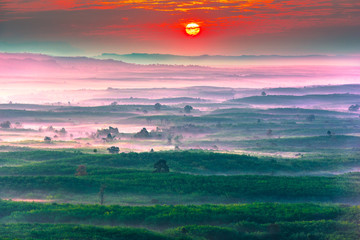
x: 228, y: 27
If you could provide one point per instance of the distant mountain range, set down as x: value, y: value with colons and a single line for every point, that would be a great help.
x: 145, y: 58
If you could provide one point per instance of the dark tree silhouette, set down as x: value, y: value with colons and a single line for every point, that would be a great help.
x: 188, y: 108
x: 142, y: 134
x: 105, y: 132
x: 47, y: 139
x: 6, y: 124
x: 157, y: 106
x: 263, y: 94
x: 161, y: 167
x: 329, y: 133
x: 109, y: 137
x: 113, y: 149
x: 63, y: 131
x: 354, y: 108
x: 81, y: 171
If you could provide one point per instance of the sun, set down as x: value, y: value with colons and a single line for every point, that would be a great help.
x: 192, y: 29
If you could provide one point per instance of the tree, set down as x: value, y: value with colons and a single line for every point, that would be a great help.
x: 113, y: 149
x: 188, y: 108
x: 263, y: 94
x: 113, y: 104
x: 109, y: 137
x: 157, y: 106
x: 6, y: 124
x: 81, y: 171
x: 63, y: 131
x: 47, y: 139
x: 354, y: 108
x: 142, y: 134
x: 161, y: 167
x: 105, y: 132
x: 329, y: 133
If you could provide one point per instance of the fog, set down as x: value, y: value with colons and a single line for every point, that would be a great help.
x: 76, y: 79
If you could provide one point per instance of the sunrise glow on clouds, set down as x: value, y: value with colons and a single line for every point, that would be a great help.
x: 284, y: 27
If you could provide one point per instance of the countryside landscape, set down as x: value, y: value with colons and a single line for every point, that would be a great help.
x: 207, y: 136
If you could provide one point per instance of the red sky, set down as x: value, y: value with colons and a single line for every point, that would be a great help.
x: 79, y: 27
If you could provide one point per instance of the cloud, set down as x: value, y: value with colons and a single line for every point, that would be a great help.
x: 157, y: 26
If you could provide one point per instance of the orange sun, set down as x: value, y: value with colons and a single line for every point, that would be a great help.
x: 192, y: 29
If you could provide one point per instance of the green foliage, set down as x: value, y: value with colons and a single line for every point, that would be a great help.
x: 57, y: 175
x: 183, y: 161
x: 75, y: 232
x: 52, y: 173
x: 257, y: 221
x: 168, y: 216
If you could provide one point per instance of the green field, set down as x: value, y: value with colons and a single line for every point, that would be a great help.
x: 236, y: 221
x: 237, y: 169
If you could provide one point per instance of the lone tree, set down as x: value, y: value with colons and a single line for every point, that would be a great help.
x: 329, y: 133
x: 161, y: 167
x: 188, y: 108
x: 81, y: 171
x: 157, y: 106
x: 113, y: 149
x: 354, y: 108
x: 263, y: 94
x: 47, y: 139
x: 6, y: 124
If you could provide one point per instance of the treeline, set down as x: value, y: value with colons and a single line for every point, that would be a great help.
x: 237, y: 188
x: 186, y: 161
x: 314, y: 230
